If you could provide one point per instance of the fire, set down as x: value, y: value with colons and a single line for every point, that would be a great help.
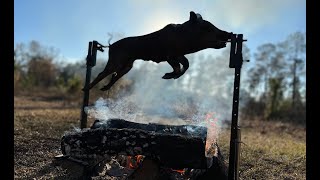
x: 211, y: 121
x: 134, y: 161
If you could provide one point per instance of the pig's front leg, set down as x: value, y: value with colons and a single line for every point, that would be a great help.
x: 185, y: 65
x: 175, y: 64
x: 176, y: 69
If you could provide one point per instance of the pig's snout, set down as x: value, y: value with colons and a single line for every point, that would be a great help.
x: 220, y: 45
x: 224, y: 36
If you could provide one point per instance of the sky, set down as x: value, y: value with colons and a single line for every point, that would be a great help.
x: 68, y: 25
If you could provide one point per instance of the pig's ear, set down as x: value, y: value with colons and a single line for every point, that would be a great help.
x: 193, y: 16
x: 199, y: 17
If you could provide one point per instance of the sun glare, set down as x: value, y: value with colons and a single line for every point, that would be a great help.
x: 160, y: 20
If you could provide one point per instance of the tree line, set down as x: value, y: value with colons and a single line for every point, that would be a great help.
x: 277, y: 80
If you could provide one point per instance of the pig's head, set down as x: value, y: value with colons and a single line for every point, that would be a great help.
x: 205, y: 34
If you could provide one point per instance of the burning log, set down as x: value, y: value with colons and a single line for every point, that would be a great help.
x: 173, y: 146
x: 186, y: 130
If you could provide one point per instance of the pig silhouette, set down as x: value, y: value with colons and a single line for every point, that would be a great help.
x: 170, y: 44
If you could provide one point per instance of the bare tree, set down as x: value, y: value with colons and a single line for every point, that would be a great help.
x: 268, y: 63
x: 36, y: 63
x: 294, y: 48
x: 276, y: 96
x: 266, y: 76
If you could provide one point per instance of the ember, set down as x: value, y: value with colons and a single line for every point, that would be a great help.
x: 134, y: 161
x: 181, y: 171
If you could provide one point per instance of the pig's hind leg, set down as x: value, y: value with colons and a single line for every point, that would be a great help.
x: 116, y: 76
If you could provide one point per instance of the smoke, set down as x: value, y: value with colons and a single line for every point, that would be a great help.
x: 202, y: 96
x: 104, y: 109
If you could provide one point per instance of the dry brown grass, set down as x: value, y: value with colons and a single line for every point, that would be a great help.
x: 271, y: 150
x: 38, y: 128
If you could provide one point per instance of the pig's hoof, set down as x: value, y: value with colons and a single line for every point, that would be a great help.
x: 177, y: 76
x: 168, y: 76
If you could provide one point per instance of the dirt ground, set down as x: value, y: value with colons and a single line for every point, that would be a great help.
x: 270, y: 150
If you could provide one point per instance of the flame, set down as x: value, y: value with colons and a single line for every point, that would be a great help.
x: 211, y: 121
x: 134, y: 161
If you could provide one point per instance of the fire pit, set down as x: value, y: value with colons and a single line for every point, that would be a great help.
x: 130, y: 150
x: 138, y: 150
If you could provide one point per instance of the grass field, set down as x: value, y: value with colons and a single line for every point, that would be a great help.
x: 270, y: 150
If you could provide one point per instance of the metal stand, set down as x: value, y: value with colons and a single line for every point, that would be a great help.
x: 236, y: 61
x: 91, y: 62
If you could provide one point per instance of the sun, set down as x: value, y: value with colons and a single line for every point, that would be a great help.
x: 159, y: 20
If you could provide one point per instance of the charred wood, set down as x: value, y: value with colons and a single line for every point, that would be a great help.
x: 187, y: 130
x: 171, y: 150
